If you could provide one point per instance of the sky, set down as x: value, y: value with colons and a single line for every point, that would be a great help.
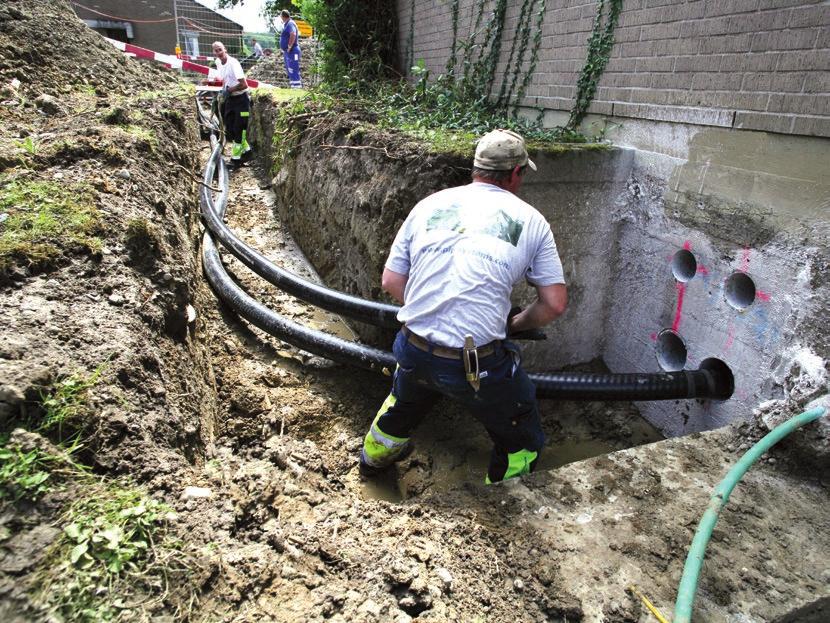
x: 247, y: 14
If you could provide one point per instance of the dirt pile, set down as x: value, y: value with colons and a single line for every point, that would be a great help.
x: 98, y: 268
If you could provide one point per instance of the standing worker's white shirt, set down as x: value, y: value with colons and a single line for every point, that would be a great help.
x: 230, y: 73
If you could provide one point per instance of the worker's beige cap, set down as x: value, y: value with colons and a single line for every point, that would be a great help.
x: 501, y: 150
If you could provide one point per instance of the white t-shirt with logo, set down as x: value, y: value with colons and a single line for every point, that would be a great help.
x: 464, y: 249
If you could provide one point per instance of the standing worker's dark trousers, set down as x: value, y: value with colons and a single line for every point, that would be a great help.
x: 236, y: 110
x: 505, y: 404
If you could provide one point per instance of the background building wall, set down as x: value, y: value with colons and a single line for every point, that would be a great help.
x: 154, y: 26
x: 746, y: 64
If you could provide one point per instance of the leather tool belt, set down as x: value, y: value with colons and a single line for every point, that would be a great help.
x: 443, y: 351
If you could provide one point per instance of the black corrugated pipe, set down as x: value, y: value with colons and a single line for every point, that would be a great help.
x: 379, y: 314
x: 712, y: 380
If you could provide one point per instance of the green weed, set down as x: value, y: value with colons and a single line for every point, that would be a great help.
x: 142, y: 134
x: 44, y: 219
x: 28, y: 145
x: 66, y: 400
x: 114, y: 551
x: 24, y: 475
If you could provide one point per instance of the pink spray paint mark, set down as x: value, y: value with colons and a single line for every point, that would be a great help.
x: 687, y: 246
x: 703, y: 270
x: 653, y: 337
x: 730, y: 337
x: 763, y: 296
x: 681, y: 292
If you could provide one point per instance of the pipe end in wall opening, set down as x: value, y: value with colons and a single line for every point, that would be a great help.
x: 671, y: 351
x: 684, y: 265
x: 721, y: 378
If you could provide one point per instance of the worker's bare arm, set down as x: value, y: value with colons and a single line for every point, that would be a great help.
x: 394, y: 283
x: 551, y: 303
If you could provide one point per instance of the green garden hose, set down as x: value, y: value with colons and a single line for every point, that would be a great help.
x: 694, y: 561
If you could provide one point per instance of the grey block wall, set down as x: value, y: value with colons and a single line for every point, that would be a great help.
x: 745, y: 64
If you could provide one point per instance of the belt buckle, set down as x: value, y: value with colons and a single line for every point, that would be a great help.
x: 470, y: 355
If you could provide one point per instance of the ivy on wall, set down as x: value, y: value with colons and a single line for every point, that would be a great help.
x: 475, y: 70
x: 599, y: 51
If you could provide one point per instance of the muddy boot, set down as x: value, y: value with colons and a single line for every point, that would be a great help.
x: 370, y: 471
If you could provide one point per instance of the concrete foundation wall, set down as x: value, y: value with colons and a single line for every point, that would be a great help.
x: 740, y: 202
x: 575, y: 191
x: 748, y: 64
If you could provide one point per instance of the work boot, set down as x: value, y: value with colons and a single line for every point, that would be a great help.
x: 370, y: 471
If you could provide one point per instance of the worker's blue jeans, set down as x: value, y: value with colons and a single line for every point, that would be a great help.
x: 505, y: 403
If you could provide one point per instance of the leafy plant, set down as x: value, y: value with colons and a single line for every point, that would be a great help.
x: 28, y: 145
x: 23, y: 475
x: 114, y: 549
x: 599, y: 51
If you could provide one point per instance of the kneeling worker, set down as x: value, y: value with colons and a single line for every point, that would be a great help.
x: 453, y: 266
x: 235, y: 105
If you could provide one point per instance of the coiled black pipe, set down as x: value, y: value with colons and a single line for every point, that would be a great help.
x: 379, y: 314
x: 712, y: 380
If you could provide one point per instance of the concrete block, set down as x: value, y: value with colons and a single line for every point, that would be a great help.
x: 757, y: 22
x: 800, y: 104
x: 655, y: 64
x: 806, y: 16
x: 814, y: 60
x: 765, y: 122
x: 716, y: 81
x: 721, y: 45
x: 697, y: 63
x: 678, y: 114
x: 815, y: 83
x: 686, y: 45
x: 660, y: 31
x: 749, y: 62
x: 811, y: 126
x: 785, y: 40
x: 730, y: 7
x: 640, y: 48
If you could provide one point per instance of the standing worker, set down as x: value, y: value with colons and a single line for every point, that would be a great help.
x: 290, y: 46
x: 235, y: 105
x: 453, y: 265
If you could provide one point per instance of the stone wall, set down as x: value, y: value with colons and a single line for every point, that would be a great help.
x: 744, y: 64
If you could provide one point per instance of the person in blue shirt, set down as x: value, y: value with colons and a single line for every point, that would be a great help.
x: 290, y: 46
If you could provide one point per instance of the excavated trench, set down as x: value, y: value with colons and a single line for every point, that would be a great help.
x: 452, y: 449
x: 253, y: 442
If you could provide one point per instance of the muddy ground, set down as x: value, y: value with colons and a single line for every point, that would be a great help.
x: 281, y: 527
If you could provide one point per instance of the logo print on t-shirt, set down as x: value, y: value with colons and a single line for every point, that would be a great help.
x: 499, y: 224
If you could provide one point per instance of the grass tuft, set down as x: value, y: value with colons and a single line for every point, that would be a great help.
x: 66, y: 400
x: 44, y: 220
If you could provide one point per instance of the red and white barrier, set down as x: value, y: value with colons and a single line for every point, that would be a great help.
x: 171, y: 62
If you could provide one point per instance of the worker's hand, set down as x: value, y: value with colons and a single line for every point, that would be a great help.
x: 529, y: 334
x: 226, y: 92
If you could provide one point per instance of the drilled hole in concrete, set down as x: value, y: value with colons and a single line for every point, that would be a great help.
x: 684, y: 265
x: 671, y: 351
x: 723, y: 381
x: 740, y: 290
